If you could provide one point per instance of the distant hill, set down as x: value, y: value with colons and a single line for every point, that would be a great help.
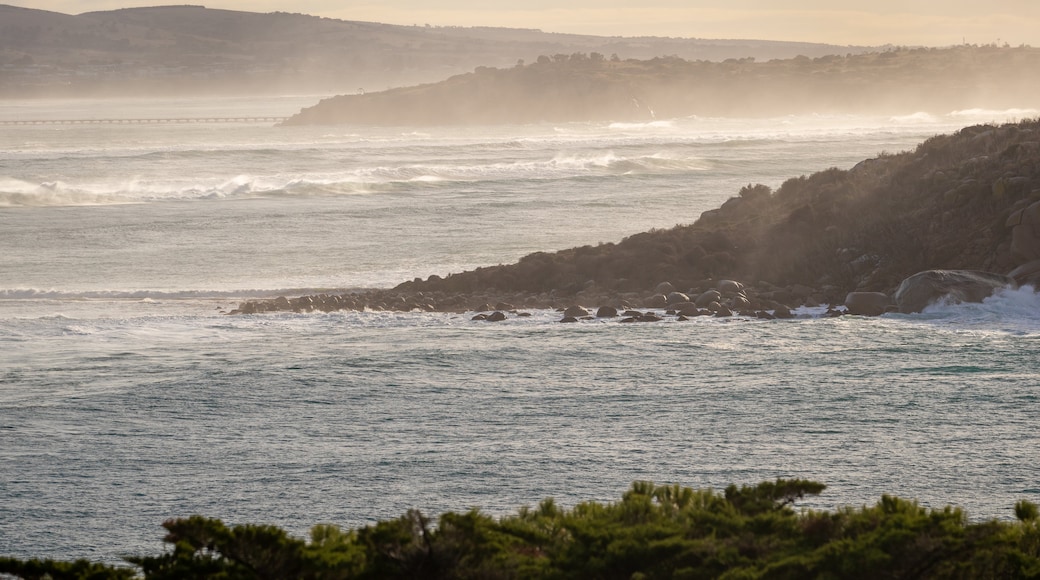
x: 193, y: 50
x: 584, y: 87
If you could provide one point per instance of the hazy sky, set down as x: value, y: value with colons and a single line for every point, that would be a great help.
x: 870, y: 22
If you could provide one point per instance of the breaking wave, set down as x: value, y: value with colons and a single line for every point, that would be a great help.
x: 359, y: 181
x: 143, y: 295
x: 995, y: 115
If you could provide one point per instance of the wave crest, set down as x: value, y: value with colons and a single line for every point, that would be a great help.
x: 153, y: 295
x: 357, y: 181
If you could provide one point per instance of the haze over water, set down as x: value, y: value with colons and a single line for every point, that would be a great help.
x: 128, y: 397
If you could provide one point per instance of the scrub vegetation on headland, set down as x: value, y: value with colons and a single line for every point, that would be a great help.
x: 964, y: 207
x: 595, y: 87
x: 653, y: 532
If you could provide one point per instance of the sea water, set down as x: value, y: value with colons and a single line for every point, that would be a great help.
x: 128, y: 396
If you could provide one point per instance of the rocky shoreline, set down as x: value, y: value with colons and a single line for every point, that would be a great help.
x: 720, y: 298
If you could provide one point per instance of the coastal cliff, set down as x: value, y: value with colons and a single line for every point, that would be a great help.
x: 591, y: 87
x: 965, y: 201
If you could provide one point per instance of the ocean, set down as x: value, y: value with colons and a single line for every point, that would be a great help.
x: 129, y: 396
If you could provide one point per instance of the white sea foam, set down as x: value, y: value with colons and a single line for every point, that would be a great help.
x: 360, y: 180
x: 994, y: 115
x: 1015, y: 311
x: 650, y: 125
x: 919, y: 117
x: 159, y: 295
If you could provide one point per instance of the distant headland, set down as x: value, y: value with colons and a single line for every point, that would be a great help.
x: 595, y: 87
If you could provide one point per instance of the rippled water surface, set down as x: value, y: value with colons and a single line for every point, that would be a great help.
x: 127, y: 397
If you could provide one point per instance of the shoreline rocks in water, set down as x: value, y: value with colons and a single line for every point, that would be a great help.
x: 723, y: 299
x: 712, y: 298
x: 955, y: 286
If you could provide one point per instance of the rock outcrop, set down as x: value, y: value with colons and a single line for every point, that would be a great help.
x: 867, y: 303
x: 930, y: 287
x: 1025, y: 232
x: 1027, y: 274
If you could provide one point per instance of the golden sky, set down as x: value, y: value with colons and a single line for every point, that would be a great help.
x: 863, y: 22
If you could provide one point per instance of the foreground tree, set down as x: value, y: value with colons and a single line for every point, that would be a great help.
x: 653, y: 532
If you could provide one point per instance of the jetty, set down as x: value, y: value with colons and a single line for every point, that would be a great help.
x: 147, y: 121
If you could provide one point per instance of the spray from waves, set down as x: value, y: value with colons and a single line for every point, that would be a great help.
x: 357, y: 181
x: 1013, y: 310
x: 994, y: 115
x: 651, y: 125
x: 558, y: 166
x: 18, y: 193
x: 919, y: 117
x: 961, y: 117
x: 14, y: 294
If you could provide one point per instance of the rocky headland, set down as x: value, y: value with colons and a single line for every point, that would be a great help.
x: 961, y: 210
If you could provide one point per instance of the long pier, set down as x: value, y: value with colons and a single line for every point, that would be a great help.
x: 152, y: 121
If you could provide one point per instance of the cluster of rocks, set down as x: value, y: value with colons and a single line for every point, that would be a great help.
x: 929, y: 287
x: 326, y: 302
x: 721, y: 298
x: 725, y: 298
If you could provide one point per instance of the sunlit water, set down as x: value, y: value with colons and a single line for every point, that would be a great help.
x: 128, y: 397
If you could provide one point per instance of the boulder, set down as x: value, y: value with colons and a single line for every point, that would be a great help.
x: 739, y: 302
x: 1027, y: 274
x: 606, y: 312
x: 867, y: 303
x: 576, y: 312
x: 496, y: 316
x: 707, y: 298
x: 689, y: 310
x: 931, y: 286
x: 677, y: 297
x: 657, y: 301
x: 730, y: 286
x: 664, y: 288
x: 1025, y: 233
